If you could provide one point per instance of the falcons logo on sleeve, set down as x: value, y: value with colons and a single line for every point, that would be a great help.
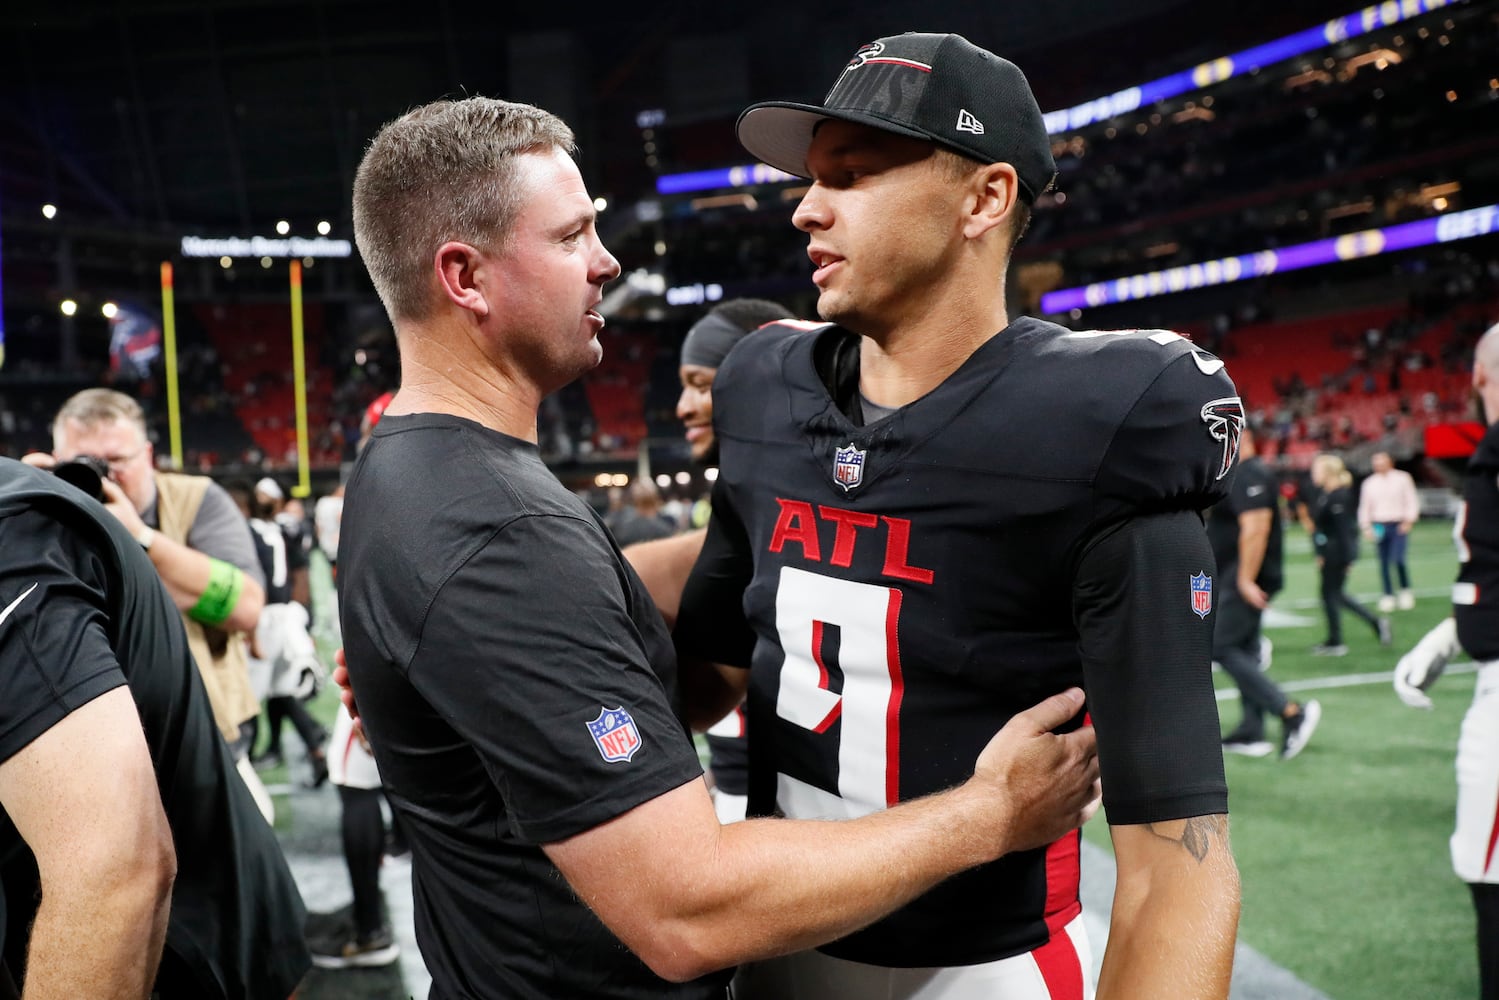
x: 1225, y: 420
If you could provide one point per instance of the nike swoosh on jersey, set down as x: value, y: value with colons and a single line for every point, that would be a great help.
x: 1254, y: 491
x: 12, y: 606
x: 1207, y: 365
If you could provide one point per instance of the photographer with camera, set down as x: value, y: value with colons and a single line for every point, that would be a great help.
x: 194, y: 535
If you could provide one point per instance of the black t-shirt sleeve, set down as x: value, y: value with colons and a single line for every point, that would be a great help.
x: 711, y: 624
x: 1254, y: 488
x: 55, y: 655
x: 1147, y: 661
x: 530, y: 653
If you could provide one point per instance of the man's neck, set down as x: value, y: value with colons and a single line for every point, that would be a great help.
x: 444, y: 373
x: 905, y: 364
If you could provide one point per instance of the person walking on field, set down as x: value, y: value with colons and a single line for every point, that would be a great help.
x: 1388, y: 508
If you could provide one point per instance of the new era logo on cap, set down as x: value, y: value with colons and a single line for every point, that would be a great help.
x: 938, y: 87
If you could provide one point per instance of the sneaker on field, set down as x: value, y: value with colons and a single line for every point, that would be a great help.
x: 1387, y: 604
x: 1250, y: 748
x: 378, y: 949
x: 1328, y: 649
x: 267, y: 760
x: 1406, y: 601
x: 1299, y: 729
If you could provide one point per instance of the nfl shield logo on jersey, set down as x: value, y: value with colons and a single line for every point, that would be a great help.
x: 1202, y: 594
x: 615, y: 734
x: 848, y: 466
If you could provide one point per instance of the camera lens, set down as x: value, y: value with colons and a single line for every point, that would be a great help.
x: 86, y: 472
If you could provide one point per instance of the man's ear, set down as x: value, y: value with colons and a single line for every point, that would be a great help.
x: 457, y: 266
x: 995, y: 191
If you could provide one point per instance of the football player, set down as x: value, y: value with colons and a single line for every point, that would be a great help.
x: 1474, y: 628
x: 929, y: 515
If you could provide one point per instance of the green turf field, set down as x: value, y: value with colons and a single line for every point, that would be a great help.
x: 1343, y: 851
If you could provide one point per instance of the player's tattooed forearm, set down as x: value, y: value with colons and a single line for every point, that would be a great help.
x: 1196, y: 834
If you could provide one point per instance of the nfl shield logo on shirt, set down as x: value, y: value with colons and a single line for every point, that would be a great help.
x: 1202, y: 594
x: 615, y: 734
x: 848, y: 466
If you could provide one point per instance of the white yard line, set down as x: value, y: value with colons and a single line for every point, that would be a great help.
x: 1345, y: 680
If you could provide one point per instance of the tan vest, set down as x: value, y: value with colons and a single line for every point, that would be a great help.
x: 220, y: 655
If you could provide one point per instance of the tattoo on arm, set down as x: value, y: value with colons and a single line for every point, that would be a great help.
x: 1195, y: 833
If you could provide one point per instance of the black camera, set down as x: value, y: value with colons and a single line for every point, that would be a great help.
x: 86, y: 472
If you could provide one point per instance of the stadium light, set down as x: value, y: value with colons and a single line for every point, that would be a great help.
x: 602, y: 479
x: 663, y: 480
x: 1144, y: 95
x: 683, y: 478
x: 711, y: 474
x: 1352, y: 246
x: 49, y: 211
x: 324, y: 228
x: 599, y: 204
x: 283, y: 227
x: 68, y: 307
x: 619, y: 479
x: 110, y: 310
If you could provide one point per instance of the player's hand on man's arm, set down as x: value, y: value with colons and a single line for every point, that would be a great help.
x: 709, y: 691
x: 663, y: 565
x: 690, y: 896
x: 346, y: 695
x: 84, y: 797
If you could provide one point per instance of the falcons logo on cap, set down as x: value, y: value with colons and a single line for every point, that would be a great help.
x: 867, y: 51
x: 1225, y: 420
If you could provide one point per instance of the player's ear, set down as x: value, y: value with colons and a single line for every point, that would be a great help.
x: 995, y: 192
x: 457, y: 266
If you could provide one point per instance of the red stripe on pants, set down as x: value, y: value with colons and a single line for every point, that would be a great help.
x: 1488, y: 859
x: 1061, y: 967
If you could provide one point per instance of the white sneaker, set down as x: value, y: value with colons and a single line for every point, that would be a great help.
x: 1407, y: 600
x: 1387, y: 604
x: 1299, y: 729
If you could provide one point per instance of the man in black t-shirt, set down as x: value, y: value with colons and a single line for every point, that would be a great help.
x: 110, y: 759
x: 516, y: 681
x: 1245, y: 530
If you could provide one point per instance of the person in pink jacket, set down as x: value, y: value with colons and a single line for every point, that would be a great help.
x: 1387, y: 510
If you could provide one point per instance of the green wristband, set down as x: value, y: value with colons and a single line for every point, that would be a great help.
x: 225, y: 582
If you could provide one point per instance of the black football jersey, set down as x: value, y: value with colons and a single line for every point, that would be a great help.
x: 1475, y: 596
x: 913, y: 583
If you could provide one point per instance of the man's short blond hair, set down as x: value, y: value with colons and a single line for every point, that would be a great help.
x: 442, y: 172
x: 94, y: 408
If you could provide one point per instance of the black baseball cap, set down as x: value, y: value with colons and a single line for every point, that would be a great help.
x: 941, y: 88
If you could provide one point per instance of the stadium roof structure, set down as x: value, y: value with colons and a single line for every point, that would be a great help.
x: 225, y: 116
